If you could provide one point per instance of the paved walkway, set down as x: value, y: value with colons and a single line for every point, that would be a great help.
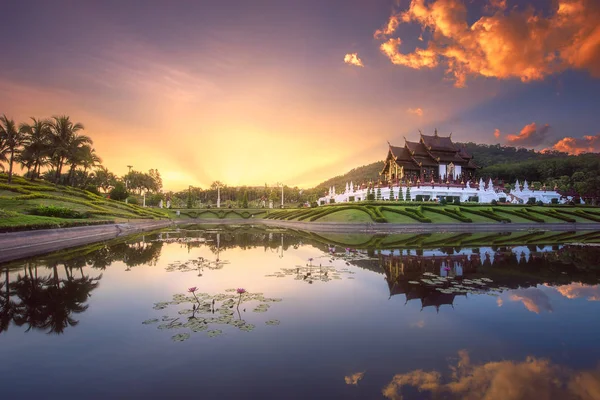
x: 14, y: 245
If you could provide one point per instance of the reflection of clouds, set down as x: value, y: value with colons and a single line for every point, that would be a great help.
x: 533, y: 299
x: 354, y: 378
x: 418, y: 324
x: 507, y: 380
x: 577, y: 290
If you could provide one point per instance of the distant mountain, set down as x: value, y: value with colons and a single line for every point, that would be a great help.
x: 357, y: 175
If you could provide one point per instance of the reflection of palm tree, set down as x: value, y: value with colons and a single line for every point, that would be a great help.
x: 48, y: 303
x: 30, y: 290
x: 8, y: 308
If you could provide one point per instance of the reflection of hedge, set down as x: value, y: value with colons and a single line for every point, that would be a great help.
x: 487, y: 213
x: 521, y: 213
x: 457, y: 215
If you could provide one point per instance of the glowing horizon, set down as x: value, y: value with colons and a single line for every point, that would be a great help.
x: 241, y: 97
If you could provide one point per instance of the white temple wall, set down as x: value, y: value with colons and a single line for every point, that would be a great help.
x: 442, y: 170
x: 457, y: 171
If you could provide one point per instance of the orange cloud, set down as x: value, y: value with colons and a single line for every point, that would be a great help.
x: 587, y: 144
x: 354, y: 378
x: 417, y: 111
x: 353, y: 59
x: 497, y: 133
x: 389, y: 28
x: 530, y: 135
x: 577, y: 290
x: 421, y: 58
x: 569, y: 37
x: 532, y: 378
x: 533, y: 299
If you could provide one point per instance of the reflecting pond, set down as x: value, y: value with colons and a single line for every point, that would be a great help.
x: 255, y: 312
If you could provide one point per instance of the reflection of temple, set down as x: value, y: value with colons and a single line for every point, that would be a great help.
x: 401, y: 267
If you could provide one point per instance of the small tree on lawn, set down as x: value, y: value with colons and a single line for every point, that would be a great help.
x: 391, y: 194
x: 408, y: 194
x: 245, y: 200
x: 378, y: 193
x: 400, y: 195
x: 119, y: 192
x: 189, y: 198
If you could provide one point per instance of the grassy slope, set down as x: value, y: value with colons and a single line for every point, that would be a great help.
x: 20, y: 197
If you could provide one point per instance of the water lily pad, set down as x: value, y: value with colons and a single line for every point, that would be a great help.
x: 414, y: 282
x: 160, y: 306
x: 247, y: 327
x: 150, y: 321
x: 272, y: 322
x: 214, y: 332
x: 180, y: 337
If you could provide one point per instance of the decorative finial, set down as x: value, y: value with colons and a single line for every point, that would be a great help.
x: 450, y: 135
x: 420, y: 133
x: 435, y: 132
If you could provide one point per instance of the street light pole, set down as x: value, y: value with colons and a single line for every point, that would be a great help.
x: 219, y: 196
x: 281, y: 184
x: 126, y: 184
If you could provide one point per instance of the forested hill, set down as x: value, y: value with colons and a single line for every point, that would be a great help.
x: 578, y: 173
x: 357, y: 175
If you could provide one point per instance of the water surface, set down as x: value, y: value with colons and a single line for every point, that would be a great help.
x: 320, y: 316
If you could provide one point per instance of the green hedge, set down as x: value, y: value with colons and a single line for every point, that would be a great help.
x: 486, y: 213
x: 409, y: 212
x: 449, y: 213
x: 521, y: 213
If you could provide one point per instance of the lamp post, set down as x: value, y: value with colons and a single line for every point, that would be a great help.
x: 281, y: 185
x: 218, y: 196
x: 126, y: 184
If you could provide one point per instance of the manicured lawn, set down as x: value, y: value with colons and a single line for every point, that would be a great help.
x: 398, y: 218
x: 347, y: 216
x: 27, y: 222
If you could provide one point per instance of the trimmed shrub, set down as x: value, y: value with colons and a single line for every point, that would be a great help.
x: 350, y: 198
x: 119, y: 192
x: 494, y: 202
x: 502, y: 199
x: 539, y: 203
x: 419, y: 198
x: 92, y: 189
x: 57, y: 212
x: 554, y: 201
x: 531, y: 201
x: 133, y: 200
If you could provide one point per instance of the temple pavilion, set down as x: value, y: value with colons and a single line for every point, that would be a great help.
x: 432, y: 158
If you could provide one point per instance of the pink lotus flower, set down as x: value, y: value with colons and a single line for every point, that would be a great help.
x: 241, y: 291
x: 192, y: 289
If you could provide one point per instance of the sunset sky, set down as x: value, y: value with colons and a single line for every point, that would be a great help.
x: 254, y: 92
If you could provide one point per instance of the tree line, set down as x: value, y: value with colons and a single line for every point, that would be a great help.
x: 57, y: 150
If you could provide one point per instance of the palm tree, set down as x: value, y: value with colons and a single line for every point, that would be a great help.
x: 13, y: 138
x: 89, y: 160
x: 104, y: 179
x: 36, y: 146
x: 64, y: 141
